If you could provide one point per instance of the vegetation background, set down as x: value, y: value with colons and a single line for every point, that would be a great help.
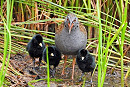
x: 107, y: 23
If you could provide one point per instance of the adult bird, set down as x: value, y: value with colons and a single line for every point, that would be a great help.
x: 70, y: 37
x: 54, y: 56
x: 85, y: 62
x: 35, y: 48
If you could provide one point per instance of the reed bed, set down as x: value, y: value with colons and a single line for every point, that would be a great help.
x: 106, y: 23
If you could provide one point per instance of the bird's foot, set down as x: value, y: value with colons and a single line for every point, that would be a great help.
x: 72, y: 78
x: 63, y: 76
x: 89, y: 82
x: 32, y: 72
x: 63, y: 73
x: 34, y: 68
x: 50, y: 71
x: 52, y: 76
x: 37, y: 77
x: 37, y: 68
x: 53, y: 73
x: 80, y: 80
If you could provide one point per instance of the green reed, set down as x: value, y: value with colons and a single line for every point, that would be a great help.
x: 7, y: 39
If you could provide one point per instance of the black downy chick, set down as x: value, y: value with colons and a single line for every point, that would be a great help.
x: 35, y: 48
x: 85, y: 62
x: 54, y: 56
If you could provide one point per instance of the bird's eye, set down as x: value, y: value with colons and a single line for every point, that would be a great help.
x: 67, y: 19
x: 74, y: 21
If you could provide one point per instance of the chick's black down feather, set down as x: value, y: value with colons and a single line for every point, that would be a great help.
x: 54, y: 56
x: 35, y: 48
x: 85, y: 61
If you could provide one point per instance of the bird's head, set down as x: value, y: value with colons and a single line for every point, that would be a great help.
x: 51, y: 51
x: 83, y: 54
x: 38, y: 39
x: 71, y: 21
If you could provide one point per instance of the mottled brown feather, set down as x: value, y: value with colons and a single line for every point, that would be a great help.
x: 82, y: 28
x: 60, y: 28
x: 72, y: 15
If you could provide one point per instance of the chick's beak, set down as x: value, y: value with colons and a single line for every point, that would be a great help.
x: 82, y: 58
x: 52, y: 54
x: 40, y: 44
x: 70, y: 26
x: 43, y: 62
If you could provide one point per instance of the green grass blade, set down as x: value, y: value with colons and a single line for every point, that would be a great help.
x: 118, y: 7
x: 99, y: 45
x: 124, y: 19
x: 7, y: 40
x: 48, y: 74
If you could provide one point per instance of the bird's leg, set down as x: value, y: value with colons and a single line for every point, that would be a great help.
x: 65, y: 59
x: 50, y: 70
x: 91, y: 80
x: 91, y: 77
x: 53, y: 72
x: 73, y: 64
x: 81, y: 77
x: 40, y: 59
x: 34, y: 63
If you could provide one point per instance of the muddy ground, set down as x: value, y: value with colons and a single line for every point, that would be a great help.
x: 23, y: 64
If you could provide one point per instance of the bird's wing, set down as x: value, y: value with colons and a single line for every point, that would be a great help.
x: 43, y: 44
x: 44, y: 55
x: 60, y: 28
x: 82, y: 28
x: 28, y: 46
x: 93, y: 64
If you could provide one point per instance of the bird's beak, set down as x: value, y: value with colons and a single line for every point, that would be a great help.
x: 70, y: 26
x: 43, y: 62
x: 82, y: 58
x: 40, y: 44
x: 52, y: 54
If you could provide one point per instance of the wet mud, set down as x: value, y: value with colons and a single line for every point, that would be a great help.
x: 25, y: 75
